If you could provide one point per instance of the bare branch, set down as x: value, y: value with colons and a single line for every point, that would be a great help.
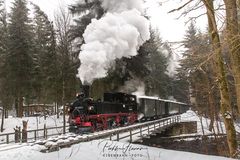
x: 194, y: 18
x: 181, y: 7
x: 193, y: 8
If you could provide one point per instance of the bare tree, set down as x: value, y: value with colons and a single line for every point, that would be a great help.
x: 67, y: 62
x: 222, y: 82
x: 233, y: 42
x: 217, y: 58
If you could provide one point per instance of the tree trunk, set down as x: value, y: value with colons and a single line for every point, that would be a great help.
x: 2, y: 123
x: 64, y: 103
x: 211, y: 105
x: 233, y: 40
x: 20, y: 107
x: 222, y: 82
x: 6, y: 112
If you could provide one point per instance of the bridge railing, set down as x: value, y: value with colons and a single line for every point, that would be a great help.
x: 123, y: 133
x: 143, y: 129
x: 129, y: 131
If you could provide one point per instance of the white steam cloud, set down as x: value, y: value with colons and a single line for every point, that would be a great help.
x: 119, y: 33
x: 134, y: 86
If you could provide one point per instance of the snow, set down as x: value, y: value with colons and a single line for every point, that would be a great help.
x: 102, y: 150
x: 33, y: 122
x: 192, y: 116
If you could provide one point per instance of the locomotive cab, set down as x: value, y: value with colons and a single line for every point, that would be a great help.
x: 128, y: 101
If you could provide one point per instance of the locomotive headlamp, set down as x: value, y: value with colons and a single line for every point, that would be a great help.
x: 90, y: 108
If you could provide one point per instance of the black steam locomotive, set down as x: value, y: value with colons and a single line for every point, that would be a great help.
x: 119, y: 109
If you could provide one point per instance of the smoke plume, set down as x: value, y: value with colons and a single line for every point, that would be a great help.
x: 134, y: 86
x: 119, y: 33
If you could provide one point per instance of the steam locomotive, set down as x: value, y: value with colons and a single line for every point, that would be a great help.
x: 120, y: 109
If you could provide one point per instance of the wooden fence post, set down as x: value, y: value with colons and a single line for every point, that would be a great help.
x: 35, y: 135
x: 130, y: 136
x: 17, y: 134
x: 117, y: 136
x: 24, y: 131
x: 7, y: 138
x: 44, y: 131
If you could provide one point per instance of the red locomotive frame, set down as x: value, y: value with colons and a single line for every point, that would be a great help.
x: 101, y: 120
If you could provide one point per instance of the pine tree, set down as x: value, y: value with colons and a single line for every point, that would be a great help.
x: 4, y: 88
x: 20, y: 57
x: 45, y: 57
x: 156, y: 79
x: 189, y: 73
x: 87, y: 10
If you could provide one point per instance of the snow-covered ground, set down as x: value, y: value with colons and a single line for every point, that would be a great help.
x: 192, y: 116
x: 102, y: 150
x: 53, y: 121
x: 33, y: 122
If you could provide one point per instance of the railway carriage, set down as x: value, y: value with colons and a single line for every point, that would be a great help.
x: 154, y: 107
x: 147, y: 106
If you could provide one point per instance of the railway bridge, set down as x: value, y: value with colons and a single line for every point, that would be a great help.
x: 130, y: 134
x: 56, y: 141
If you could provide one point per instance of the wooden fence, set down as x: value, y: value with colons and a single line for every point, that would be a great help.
x: 32, y: 135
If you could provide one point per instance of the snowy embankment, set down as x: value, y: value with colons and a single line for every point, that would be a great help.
x: 33, y: 122
x: 204, y: 128
x: 102, y: 150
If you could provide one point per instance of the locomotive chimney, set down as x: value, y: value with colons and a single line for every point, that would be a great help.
x: 86, y: 89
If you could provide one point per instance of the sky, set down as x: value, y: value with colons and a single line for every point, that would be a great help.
x: 170, y: 28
